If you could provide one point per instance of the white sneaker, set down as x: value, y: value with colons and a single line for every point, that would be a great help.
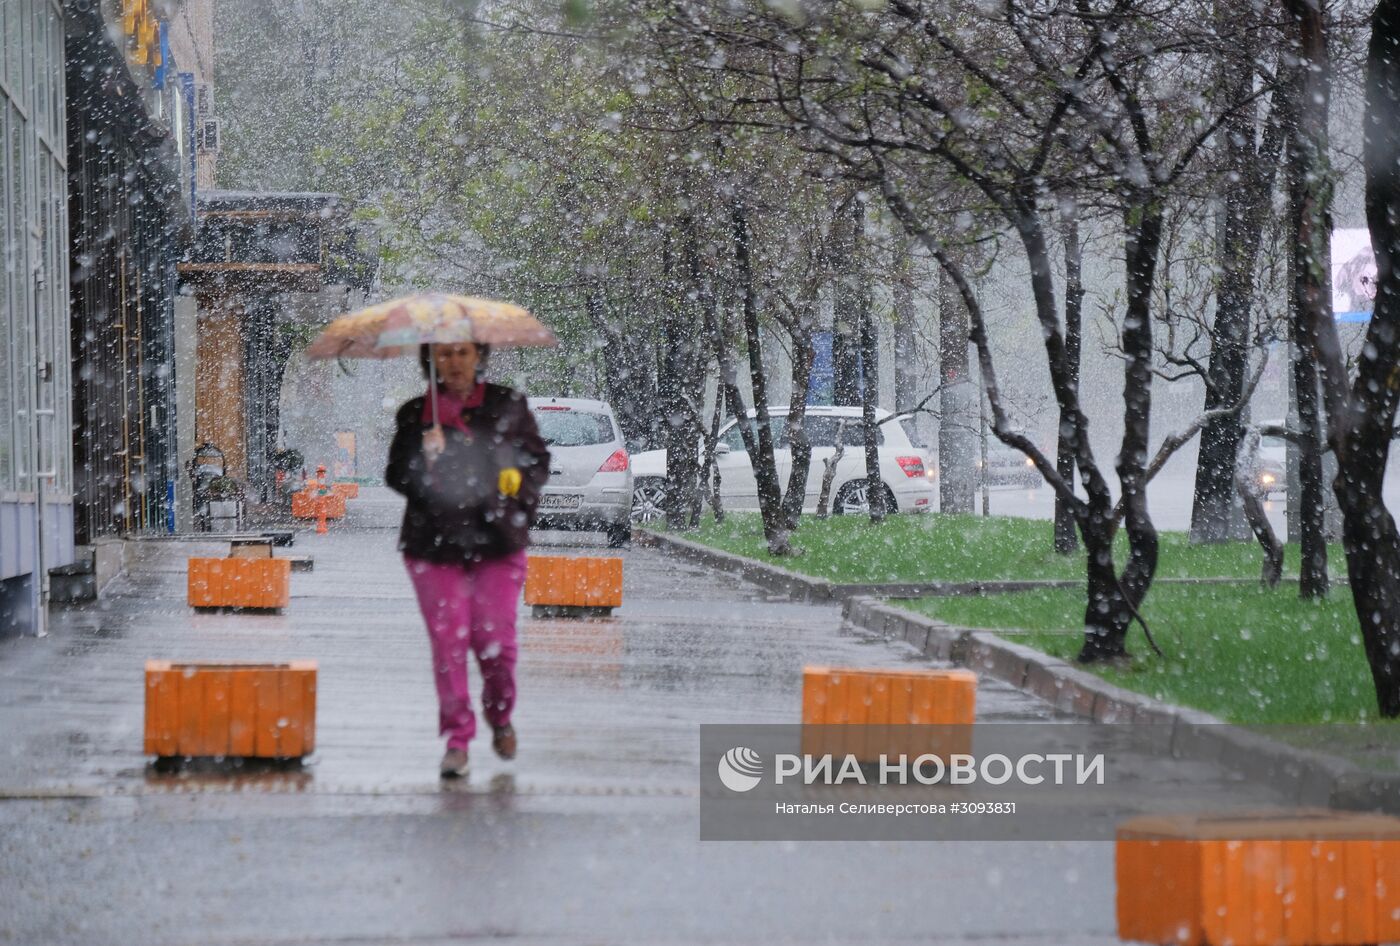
x: 454, y: 764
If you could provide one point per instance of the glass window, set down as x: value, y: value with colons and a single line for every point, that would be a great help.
x: 39, y: 104
x: 822, y: 429
x: 63, y: 344
x: 7, y: 324
x: 33, y: 229
x: 13, y: 46
x: 734, y: 437
x: 24, y: 84
x: 570, y: 428
x: 21, y: 172
x: 56, y: 60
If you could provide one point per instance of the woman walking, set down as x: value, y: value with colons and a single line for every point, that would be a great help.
x: 471, y: 464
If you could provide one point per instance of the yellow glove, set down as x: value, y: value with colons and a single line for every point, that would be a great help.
x: 509, y: 481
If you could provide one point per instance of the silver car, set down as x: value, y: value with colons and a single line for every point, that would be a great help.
x: 590, y: 474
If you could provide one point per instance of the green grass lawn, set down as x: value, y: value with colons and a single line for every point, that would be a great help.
x: 1236, y: 651
x: 936, y: 547
x: 1239, y: 652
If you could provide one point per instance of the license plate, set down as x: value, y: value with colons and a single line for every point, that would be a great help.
x: 560, y: 503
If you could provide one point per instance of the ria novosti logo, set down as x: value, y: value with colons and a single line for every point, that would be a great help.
x: 740, y: 769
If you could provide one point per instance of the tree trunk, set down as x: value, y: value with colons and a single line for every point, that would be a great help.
x: 800, y: 447
x: 1143, y: 223
x: 726, y: 393
x: 1107, y: 615
x: 1247, y: 194
x: 1312, y: 575
x: 1310, y: 300
x: 714, y: 479
x: 631, y: 389
x: 906, y: 372
x: 728, y: 384
x: 870, y: 393
x: 1373, y: 567
x: 1247, y: 484
x: 764, y: 466
x: 1362, y: 438
x: 1066, y: 535
x: 1361, y: 419
x: 958, y: 407
x: 1213, y: 499
x: 681, y: 378
x: 829, y: 466
x: 846, y: 310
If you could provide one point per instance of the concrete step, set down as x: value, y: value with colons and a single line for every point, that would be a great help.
x: 76, y: 582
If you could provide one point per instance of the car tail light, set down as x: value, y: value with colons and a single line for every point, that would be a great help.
x: 617, y: 463
x: 912, y: 466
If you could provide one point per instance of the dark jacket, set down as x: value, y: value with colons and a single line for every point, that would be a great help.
x: 455, y: 513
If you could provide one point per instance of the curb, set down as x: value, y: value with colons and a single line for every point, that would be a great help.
x: 1308, y: 778
x: 768, y: 577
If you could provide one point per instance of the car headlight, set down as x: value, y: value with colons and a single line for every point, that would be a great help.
x: 1267, y: 479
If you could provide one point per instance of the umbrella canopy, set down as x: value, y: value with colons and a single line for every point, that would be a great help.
x: 397, y: 327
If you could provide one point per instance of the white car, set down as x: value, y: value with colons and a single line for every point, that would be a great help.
x: 904, y: 473
x: 590, y: 476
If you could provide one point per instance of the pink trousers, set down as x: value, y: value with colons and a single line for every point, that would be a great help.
x: 470, y: 608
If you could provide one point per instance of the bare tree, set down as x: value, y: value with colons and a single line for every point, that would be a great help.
x: 906, y: 102
x: 1360, y: 409
x: 1249, y: 158
x: 1066, y: 539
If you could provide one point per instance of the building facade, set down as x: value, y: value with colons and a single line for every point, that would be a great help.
x: 36, y: 464
x: 130, y: 138
x: 100, y: 167
x: 266, y: 270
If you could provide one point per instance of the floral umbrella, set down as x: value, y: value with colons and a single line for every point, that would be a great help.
x: 398, y: 327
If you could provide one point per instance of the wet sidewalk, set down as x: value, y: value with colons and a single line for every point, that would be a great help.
x: 590, y: 835
x: 606, y: 705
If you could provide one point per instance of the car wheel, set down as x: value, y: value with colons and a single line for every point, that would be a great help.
x: 648, y: 500
x: 619, y: 536
x: 854, y: 499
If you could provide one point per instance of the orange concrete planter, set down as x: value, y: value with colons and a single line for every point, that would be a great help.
x: 1312, y: 878
x: 239, y: 582
x: 881, y: 706
x: 348, y: 490
x: 566, y: 582
x: 307, y: 505
x: 230, y: 709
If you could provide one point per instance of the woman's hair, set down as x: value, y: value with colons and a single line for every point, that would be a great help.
x: 1356, y: 282
x: 483, y: 356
